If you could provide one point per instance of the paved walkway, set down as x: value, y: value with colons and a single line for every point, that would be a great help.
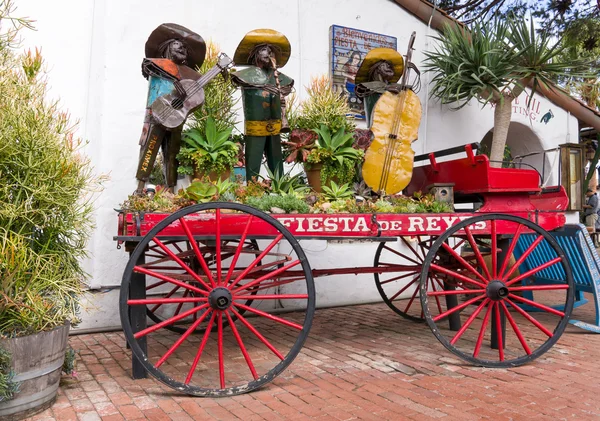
x: 361, y: 362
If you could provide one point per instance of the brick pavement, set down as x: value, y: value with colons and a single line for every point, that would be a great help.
x: 360, y: 362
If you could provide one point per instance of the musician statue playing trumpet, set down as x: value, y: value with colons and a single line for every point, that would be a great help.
x: 264, y: 90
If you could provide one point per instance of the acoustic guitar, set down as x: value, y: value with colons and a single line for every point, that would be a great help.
x: 170, y: 111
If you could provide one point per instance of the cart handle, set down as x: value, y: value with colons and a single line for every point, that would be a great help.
x: 446, y: 152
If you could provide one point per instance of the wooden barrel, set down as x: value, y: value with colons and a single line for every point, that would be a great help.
x: 37, y: 362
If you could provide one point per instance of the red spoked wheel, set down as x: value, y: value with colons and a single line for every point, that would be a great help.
x: 229, y: 357
x: 490, y: 328
x: 403, y: 263
x: 160, y: 261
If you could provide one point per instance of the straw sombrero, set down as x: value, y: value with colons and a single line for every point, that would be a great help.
x: 196, y: 47
x: 376, y: 55
x: 263, y: 36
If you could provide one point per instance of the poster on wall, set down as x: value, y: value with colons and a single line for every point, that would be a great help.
x: 348, y: 47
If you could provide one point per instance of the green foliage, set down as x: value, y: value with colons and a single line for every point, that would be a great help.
x: 200, y: 192
x: 210, y: 122
x: 224, y: 186
x: 289, y: 203
x: 337, y: 155
x: 470, y: 63
x: 322, y: 107
x: 337, y: 192
x: 489, y: 60
x: 46, y: 192
x: 70, y: 362
x: 209, y: 151
x: 219, y: 97
x: 162, y: 201
x: 287, y: 184
x: 7, y: 386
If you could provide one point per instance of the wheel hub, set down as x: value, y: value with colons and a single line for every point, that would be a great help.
x: 220, y: 298
x: 496, y: 290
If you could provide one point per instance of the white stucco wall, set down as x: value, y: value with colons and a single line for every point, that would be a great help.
x: 93, y: 50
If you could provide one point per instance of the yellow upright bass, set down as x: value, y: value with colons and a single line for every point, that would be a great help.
x: 395, y: 121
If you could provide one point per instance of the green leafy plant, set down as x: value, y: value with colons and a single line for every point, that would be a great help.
x: 161, y: 201
x: 47, y: 187
x: 217, y: 114
x: 200, y: 192
x: 8, y: 387
x: 336, y: 154
x: 286, y: 183
x: 494, y: 62
x: 212, y: 150
x: 288, y: 203
x: 70, y: 362
x: 322, y: 107
x: 337, y: 192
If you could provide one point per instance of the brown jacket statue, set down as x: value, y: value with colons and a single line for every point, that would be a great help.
x: 172, y: 53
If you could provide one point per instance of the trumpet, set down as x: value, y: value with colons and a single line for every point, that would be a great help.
x: 285, y: 127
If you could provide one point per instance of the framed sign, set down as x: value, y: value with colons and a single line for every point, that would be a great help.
x: 348, y: 47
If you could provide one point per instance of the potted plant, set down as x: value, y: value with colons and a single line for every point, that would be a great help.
x: 46, y: 188
x: 205, y: 149
x: 212, y: 153
x: 333, y: 159
x: 323, y: 110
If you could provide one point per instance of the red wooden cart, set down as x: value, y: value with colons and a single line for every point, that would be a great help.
x: 230, y: 293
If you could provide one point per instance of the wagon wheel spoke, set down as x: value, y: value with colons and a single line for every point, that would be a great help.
x: 228, y: 297
x: 485, y: 313
x: 399, y: 285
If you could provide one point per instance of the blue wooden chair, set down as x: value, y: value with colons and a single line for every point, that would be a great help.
x: 585, y: 263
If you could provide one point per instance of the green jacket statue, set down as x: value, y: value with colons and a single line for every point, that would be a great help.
x: 263, y: 88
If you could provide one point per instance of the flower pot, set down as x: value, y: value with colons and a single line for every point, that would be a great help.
x: 37, y: 362
x: 313, y: 176
x: 212, y: 176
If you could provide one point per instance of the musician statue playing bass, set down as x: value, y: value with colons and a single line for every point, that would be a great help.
x: 172, y: 52
x: 378, y: 73
x: 263, y: 93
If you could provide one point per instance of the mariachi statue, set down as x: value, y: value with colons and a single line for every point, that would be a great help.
x: 394, y: 114
x: 378, y: 73
x: 263, y: 93
x: 175, y: 90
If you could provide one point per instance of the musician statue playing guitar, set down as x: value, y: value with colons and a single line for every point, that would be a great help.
x: 378, y: 73
x: 263, y: 94
x: 175, y: 90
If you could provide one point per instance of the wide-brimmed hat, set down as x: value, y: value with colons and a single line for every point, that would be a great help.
x: 375, y: 56
x: 282, y: 49
x: 196, y: 47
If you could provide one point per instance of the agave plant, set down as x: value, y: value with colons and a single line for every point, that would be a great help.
x: 337, y: 192
x: 287, y: 184
x: 211, y: 151
x: 339, y: 145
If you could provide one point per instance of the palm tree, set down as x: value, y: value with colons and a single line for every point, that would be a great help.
x: 494, y: 62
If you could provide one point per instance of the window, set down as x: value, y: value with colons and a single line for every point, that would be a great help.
x: 571, y: 167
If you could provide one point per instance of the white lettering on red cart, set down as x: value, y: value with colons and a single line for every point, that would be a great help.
x: 357, y: 224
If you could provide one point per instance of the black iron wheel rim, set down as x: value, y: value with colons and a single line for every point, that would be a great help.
x: 561, y: 325
x: 211, y: 392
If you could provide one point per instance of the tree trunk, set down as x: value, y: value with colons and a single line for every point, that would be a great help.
x: 502, y: 114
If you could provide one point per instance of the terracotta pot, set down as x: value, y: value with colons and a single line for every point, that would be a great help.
x: 212, y: 176
x: 313, y: 176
